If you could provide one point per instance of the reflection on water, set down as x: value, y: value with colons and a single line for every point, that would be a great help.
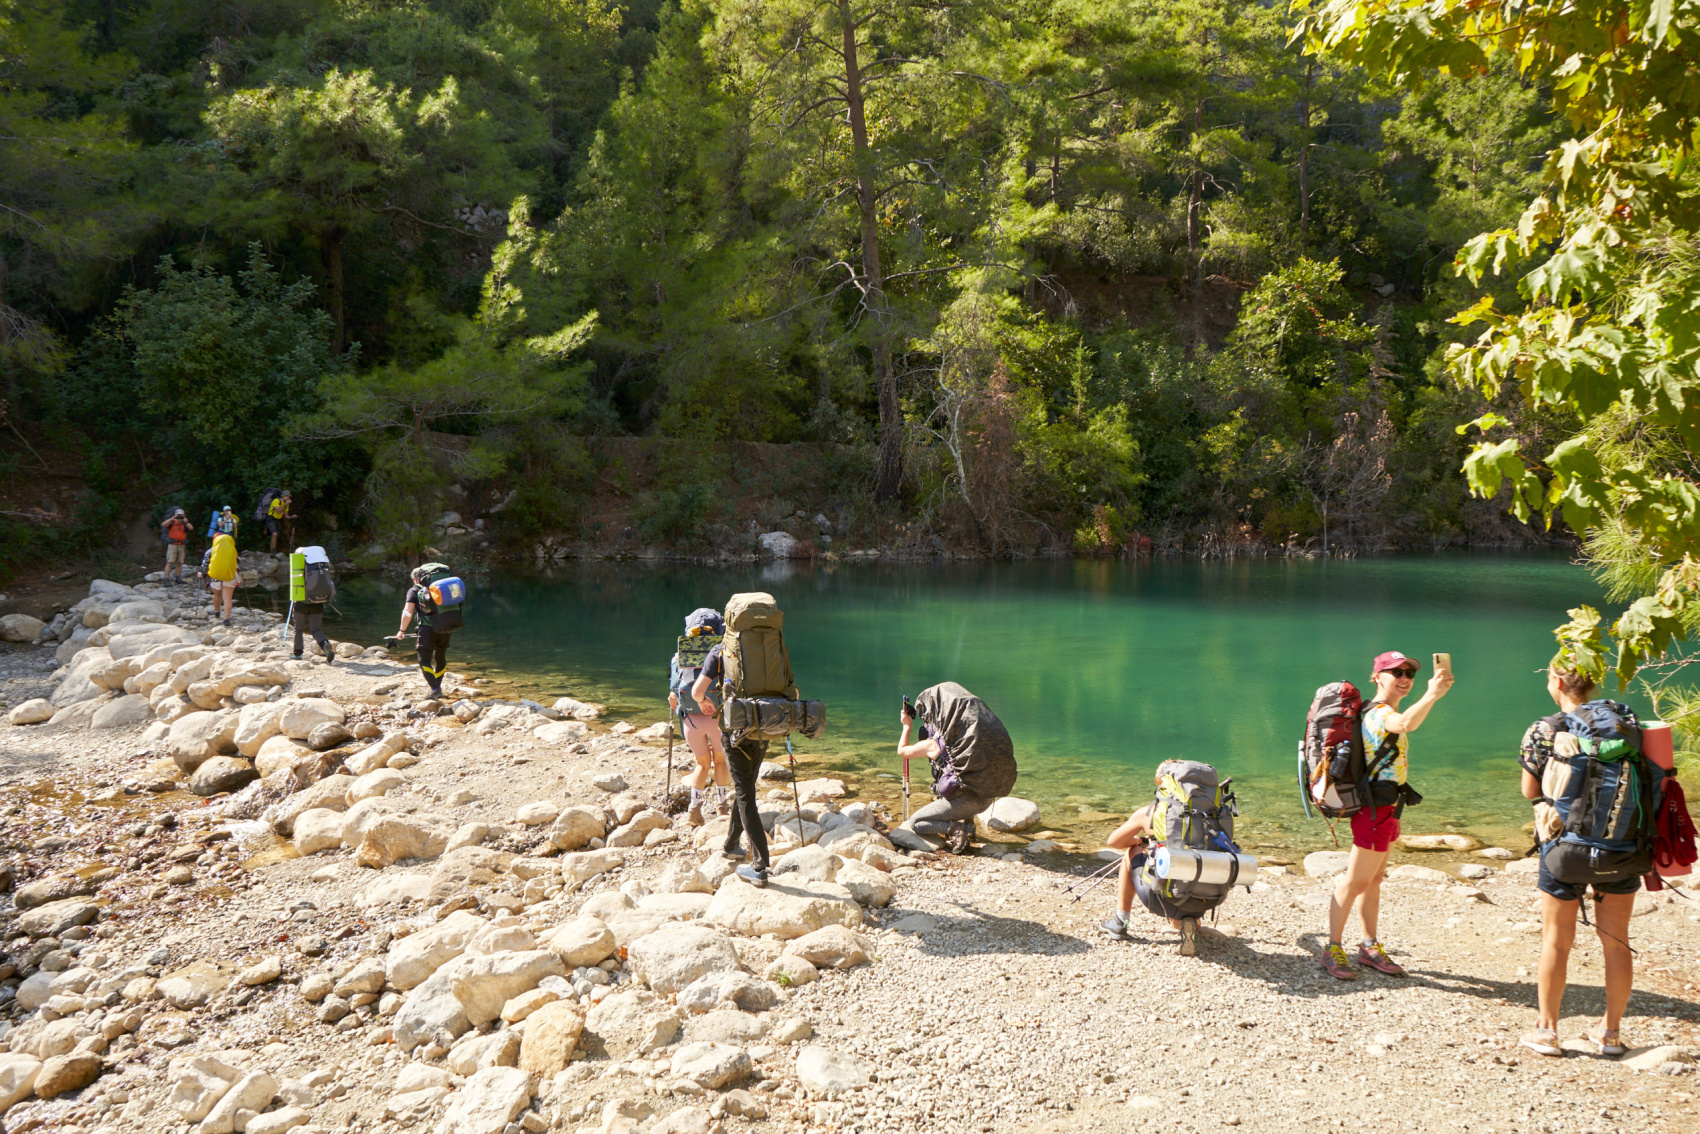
x: 1100, y: 668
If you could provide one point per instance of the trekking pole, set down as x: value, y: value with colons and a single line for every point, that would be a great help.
x: 906, y: 789
x: 283, y: 634
x: 796, y: 797
x: 1093, y: 877
x: 667, y: 792
x: 1096, y: 878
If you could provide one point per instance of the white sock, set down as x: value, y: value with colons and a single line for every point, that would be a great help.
x: 696, y: 797
x: 1369, y: 942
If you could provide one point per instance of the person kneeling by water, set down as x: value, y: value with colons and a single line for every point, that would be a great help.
x: 972, y: 758
x: 1180, y: 859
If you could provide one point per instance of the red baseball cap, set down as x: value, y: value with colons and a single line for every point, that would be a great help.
x: 1392, y: 659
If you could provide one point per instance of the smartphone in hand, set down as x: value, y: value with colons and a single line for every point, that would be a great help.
x: 908, y: 709
x: 1443, y: 663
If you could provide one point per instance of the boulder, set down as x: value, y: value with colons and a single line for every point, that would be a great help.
x: 498, y: 1049
x: 277, y: 754
x: 65, y: 1073
x: 869, y: 885
x: 279, y: 1121
x: 252, y: 1092
x: 1439, y: 842
x: 413, y: 1109
x: 221, y: 774
x: 725, y: 1025
x: 711, y: 1065
x: 483, y: 984
x: 194, y: 984
x: 827, y: 1071
x: 811, y: 862
x: 329, y: 794
x: 526, y: 1004
x: 1010, y: 813
x: 367, y: 975
x: 34, y: 711
x: 17, y: 1079
x: 574, y: 827
x: 582, y: 941
x: 488, y: 1102
x: 197, y: 1083
x: 1326, y: 864
x: 833, y: 947
x: 198, y: 737
x: 395, y: 837
x: 791, y: 971
x: 53, y: 888
x: 680, y: 876
x: 261, y: 972
x: 682, y: 907
x: 115, y: 673
x: 785, y: 909
x: 126, y: 712
x: 55, y: 918
x: 377, y: 754
x: 742, y: 991
x: 416, y: 956
x: 76, y: 716
x: 577, y: 869
x: 562, y: 732
x: 501, y: 939
x: 551, y: 1034
x: 431, y: 1007
x: 631, y: 1022
x: 77, y: 685
x: 301, y: 715
x: 256, y: 724
x: 632, y: 834
x: 326, y: 736
x: 1653, y: 1058
x: 20, y: 628
x: 375, y: 784
x: 467, y: 868
x: 138, y: 610
x: 1409, y: 872
x: 538, y: 813
x: 676, y: 954
x: 778, y: 545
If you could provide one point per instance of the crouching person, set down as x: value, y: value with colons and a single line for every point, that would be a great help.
x: 972, y: 758
x: 1179, y: 856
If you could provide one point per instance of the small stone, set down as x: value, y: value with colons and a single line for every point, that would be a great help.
x: 822, y: 1069
x: 264, y: 972
x: 65, y: 1073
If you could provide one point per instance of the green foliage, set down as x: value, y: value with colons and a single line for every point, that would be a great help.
x: 1611, y: 287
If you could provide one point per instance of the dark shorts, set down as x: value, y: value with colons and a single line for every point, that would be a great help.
x: 1568, y: 892
x: 1157, y: 903
x: 273, y: 525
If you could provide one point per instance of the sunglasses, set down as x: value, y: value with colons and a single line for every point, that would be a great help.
x: 1405, y: 673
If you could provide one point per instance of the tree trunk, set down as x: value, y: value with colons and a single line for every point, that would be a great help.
x: 1304, y: 153
x: 1195, y: 225
x: 890, y: 474
x: 330, y: 258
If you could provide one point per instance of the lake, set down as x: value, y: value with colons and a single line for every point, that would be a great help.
x: 1100, y: 668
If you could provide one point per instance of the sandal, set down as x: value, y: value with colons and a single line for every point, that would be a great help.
x: 1606, y: 1041
x: 1543, y: 1041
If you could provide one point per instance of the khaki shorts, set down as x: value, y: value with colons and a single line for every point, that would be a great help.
x: 229, y: 585
x: 173, y: 554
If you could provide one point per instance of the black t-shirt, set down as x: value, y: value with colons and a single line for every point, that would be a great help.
x: 713, y: 668
x: 419, y: 598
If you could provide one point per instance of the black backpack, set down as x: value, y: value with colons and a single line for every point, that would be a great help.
x: 441, y: 599
x: 265, y: 503
x: 318, y: 584
x: 1604, y: 792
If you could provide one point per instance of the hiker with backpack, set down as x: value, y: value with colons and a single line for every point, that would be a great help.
x: 1382, y: 794
x: 311, y: 586
x: 223, y: 522
x: 279, y: 519
x: 174, y: 531
x: 971, y: 755
x: 218, y: 566
x: 1179, y: 856
x: 758, y: 702
x: 436, y: 600
x: 1595, y: 795
x: 704, y: 629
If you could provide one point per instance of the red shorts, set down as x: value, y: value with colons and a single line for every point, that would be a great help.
x: 1374, y: 834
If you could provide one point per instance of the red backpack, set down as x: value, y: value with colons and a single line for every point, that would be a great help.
x: 1673, y: 833
x: 1334, y: 775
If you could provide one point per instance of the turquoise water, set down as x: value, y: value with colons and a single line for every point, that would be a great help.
x: 1100, y: 669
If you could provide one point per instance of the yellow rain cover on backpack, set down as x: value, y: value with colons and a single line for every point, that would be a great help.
x: 753, y: 651
x: 223, y: 564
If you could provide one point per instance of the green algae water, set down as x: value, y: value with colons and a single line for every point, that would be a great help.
x: 1100, y: 669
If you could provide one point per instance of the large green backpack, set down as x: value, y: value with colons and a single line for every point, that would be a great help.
x: 753, y: 653
x: 1193, y: 810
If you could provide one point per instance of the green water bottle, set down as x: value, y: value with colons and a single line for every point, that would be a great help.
x: 297, y: 577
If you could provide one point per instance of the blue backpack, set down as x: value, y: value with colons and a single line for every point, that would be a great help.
x: 1605, y: 794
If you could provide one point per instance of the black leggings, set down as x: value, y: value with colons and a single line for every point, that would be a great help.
x: 433, y: 656
x: 744, y: 760
x: 311, y: 620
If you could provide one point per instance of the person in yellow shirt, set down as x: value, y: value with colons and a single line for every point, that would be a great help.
x: 279, y: 518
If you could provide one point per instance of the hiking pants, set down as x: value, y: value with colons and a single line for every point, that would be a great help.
x: 310, y: 619
x: 744, y: 761
x: 936, y: 817
x: 433, y: 656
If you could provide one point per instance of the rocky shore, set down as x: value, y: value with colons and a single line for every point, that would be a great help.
x: 249, y: 893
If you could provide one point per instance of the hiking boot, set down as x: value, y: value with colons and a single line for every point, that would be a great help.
x: 1376, y: 958
x: 1336, y: 964
x: 694, y: 815
x: 957, y: 839
x: 1189, y: 937
x: 294, y: 657
x: 1115, y: 925
x: 755, y: 875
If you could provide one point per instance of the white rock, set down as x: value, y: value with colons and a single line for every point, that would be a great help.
x: 490, y: 1100
x: 319, y: 829
x: 821, y: 1069
x: 1325, y: 864
x: 785, y: 909
x: 415, y: 957
x: 278, y: 1121
x: 577, y: 869
x: 631, y: 1022
x: 574, y: 827
x: 538, y: 813
x: 256, y: 724
x: 676, y: 954
x: 869, y: 885
x: 301, y: 715
x: 1410, y: 872
x: 375, y: 784
x: 582, y: 941
x: 17, y: 1079
x: 253, y: 1091
x: 711, y: 1065
x: 20, y: 628
x: 34, y: 711
x: 832, y: 947
x: 562, y: 732
x: 1010, y: 813
x: 484, y: 984
x: 197, y: 1083
x: 632, y: 834
x: 778, y: 545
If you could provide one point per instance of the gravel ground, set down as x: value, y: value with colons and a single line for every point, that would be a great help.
x: 993, y: 1002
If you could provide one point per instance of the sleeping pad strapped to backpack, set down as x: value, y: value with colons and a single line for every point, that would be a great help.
x: 442, y: 599
x: 310, y: 578
x: 1194, y: 809
x: 761, y: 694
x: 1599, y: 797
